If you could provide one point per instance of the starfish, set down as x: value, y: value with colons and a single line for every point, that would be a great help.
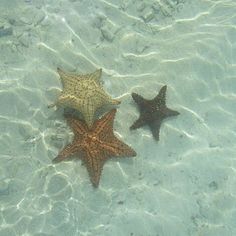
x: 83, y: 93
x: 152, y: 112
x: 95, y: 145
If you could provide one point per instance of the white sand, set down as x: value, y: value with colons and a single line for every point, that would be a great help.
x: 182, y: 185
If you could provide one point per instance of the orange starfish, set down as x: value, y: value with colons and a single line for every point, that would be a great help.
x: 95, y: 145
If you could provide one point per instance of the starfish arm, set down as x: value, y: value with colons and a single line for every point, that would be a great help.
x: 102, y: 98
x: 113, y: 101
x: 168, y: 112
x: 117, y: 148
x: 155, y: 129
x: 62, y: 75
x: 66, y: 100
x: 138, y: 98
x: 66, y: 152
x: 94, y: 163
x: 104, y: 125
x: 55, y: 103
x: 88, y: 111
x: 78, y: 127
x: 160, y: 99
x: 138, y: 123
x: 66, y: 78
x: 96, y: 76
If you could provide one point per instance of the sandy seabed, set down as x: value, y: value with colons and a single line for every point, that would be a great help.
x: 182, y: 185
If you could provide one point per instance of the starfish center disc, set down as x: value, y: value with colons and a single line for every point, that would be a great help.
x: 91, y: 141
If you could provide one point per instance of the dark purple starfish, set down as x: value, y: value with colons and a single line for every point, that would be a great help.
x: 152, y: 112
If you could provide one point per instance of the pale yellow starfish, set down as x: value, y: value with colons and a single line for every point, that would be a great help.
x: 83, y: 93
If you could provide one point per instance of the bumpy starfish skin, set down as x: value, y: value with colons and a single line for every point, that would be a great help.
x: 152, y: 112
x: 83, y: 93
x: 96, y: 145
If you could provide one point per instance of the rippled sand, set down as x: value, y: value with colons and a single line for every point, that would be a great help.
x: 182, y: 185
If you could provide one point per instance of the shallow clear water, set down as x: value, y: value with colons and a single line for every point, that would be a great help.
x: 182, y: 185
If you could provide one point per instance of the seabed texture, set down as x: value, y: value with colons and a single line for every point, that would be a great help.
x: 182, y: 185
